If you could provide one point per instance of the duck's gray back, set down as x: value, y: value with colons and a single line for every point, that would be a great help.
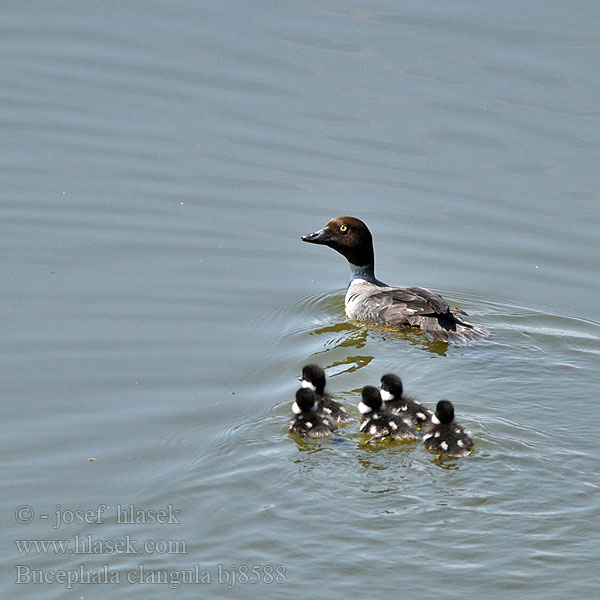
x: 409, y: 307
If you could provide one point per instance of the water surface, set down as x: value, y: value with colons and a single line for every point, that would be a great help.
x: 160, y: 162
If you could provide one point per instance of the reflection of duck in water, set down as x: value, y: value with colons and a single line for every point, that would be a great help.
x: 308, y: 422
x: 378, y: 423
x: 397, y: 403
x: 369, y: 299
x: 313, y: 378
x: 445, y: 436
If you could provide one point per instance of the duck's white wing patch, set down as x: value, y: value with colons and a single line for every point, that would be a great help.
x: 373, y: 430
x: 460, y: 443
x: 444, y: 446
x: 421, y: 416
x: 309, y: 424
x: 393, y: 425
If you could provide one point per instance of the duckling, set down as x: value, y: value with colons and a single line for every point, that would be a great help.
x: 399, y: 404
x: 445, y: 436
x: 308, y: 422
x: 313, y: 377
x: 377, y: 422
x: 369, y: 299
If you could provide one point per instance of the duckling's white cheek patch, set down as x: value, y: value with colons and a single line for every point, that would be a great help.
x: 444, y: 446
x: 363, y: 408
x: 296, y: 409
x: 393, y: 425
x: 386, y: 396
x: 421, y: 416
x: 435, y: 420
x: 309, y: 385
x: 309, y: 424
x: 373, y: 430
x: 460, y: 443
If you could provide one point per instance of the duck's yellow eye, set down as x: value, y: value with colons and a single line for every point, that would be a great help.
x: 343, y: 228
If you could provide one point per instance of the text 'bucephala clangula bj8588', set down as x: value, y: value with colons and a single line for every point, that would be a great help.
x: 313, y: 377
x: 396, y: 402
x: 445, y: 436
x: 379, y: 423
x: 369, y: 299
x: 308, y: 422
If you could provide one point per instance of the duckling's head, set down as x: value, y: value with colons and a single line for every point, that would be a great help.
x: 444, y: 413
x: 313, y: 377
x: 371, y: 400
x: 305, y: 401
x: 349, y: 236
x: 391, y: 387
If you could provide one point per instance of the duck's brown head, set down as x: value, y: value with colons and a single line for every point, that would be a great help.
x: 349, y: 236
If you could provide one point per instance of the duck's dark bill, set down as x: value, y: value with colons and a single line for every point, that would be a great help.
x: 318, y: 237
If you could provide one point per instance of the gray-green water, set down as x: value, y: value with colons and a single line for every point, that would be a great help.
x: 159, y: 163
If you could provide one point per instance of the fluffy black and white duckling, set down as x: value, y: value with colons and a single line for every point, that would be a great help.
x: 445, y: 436
x: 307, y: 421
x: 369, y: 299
x: 379, y: 423
x: 313, y: 378
x: 398, y: 403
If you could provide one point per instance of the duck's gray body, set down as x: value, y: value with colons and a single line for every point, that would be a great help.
x: 401, y: 308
